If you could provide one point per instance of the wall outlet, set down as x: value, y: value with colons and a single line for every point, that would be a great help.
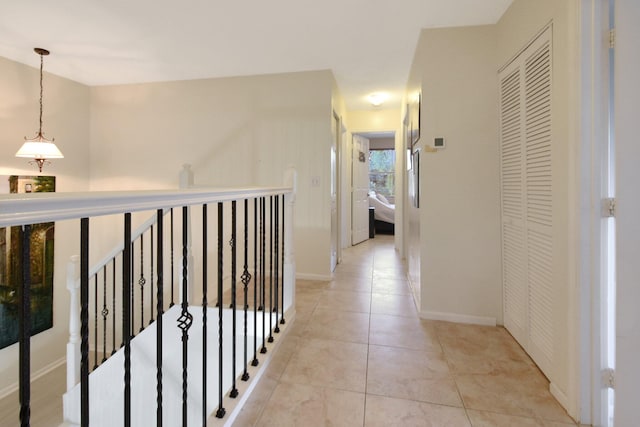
x: 315, y: 181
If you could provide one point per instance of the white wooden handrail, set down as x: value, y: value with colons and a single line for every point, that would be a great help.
x: 33, y: 208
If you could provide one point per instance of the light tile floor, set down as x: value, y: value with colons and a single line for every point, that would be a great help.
x: 359, y: 355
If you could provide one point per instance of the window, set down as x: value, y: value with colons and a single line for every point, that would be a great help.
x: 382, y: 172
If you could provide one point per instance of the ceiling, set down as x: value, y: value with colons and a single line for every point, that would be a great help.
x: 368, y: 44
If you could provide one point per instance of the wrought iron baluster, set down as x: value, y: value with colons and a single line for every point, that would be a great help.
x: 275, y: 260
x: 159, y: 310
x: 204, y: 314
x: 186, y: 319
x: 151, y: 274
x: 263, y: 220
x: 127, y: 321
x: 141, y: 282
x: 221, y: 411
x: 84, y: 322
x: 270, y: 269
x: 246, y: 278
x: 234, y: 391
x: 171, y: 252
x: 255, y: 360
x: 113, y: 305
x: 133, y: 304
x: 95, y: 321
x: 24, y: 292
x: 105, y: 313
x: 282, y: 322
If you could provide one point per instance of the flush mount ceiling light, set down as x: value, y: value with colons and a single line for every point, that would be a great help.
x: 39, y: 148
x: 377, y: 99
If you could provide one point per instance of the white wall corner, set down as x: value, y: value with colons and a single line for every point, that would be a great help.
x: 458, y: 318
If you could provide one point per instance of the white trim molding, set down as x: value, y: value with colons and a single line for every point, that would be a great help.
x: 458, y: 318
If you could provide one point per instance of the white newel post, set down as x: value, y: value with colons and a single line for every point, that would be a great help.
x: 289, y: 267
x: 73, y: 346
x: 186, y: 176
x: 186, y: 181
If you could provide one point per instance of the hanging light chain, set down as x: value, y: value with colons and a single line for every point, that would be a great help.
x: 41, y: 67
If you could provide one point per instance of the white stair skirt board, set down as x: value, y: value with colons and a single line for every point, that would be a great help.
x: 106, y: 398
x: 458, y: 318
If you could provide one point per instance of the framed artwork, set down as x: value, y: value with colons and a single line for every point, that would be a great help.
x: 414, y: 120
x: 41, y: 263
x: 416, y: 178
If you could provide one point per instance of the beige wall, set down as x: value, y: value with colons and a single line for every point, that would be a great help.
x: 235, y: 132
x: 459, y: 249
x: 459, y: 217
x: 66, y: 118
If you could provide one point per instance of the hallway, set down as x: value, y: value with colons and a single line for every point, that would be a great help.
x: 359, y: 355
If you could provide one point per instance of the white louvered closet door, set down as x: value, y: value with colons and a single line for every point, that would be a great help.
x: 527, y: 203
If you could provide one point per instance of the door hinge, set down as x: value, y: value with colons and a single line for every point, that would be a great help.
x: 612, y: 38
x: 609, y: 208
x: 609, y: 378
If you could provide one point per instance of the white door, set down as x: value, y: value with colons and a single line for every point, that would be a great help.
x: 527, y: 200
x: 360, y: 190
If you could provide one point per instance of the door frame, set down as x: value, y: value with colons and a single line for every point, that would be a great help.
x: 592, y: 66
x: 337, y: 179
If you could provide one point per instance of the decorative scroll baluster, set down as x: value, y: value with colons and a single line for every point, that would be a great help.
x: 185, y: 319
x: 25, y: 329
x: 275, y: 260
x: 105, y: 313
x: 270, y: 269
x: 255, y: 361
x: 246, y: 278
x: 234, y: 391
x: 95, y: 321
x: 221, y: 411
x: 204, y: 314
x: 263, y: 221
x: 151, y: 274
x: 141, y: 282
x: 282, y: 321
x: 126, y: 316
x: 84, y: 322
x: 159, y: 310
x: 172, y: 271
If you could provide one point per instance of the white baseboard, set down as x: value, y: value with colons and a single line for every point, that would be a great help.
x: 458, y: 318
x: 560, y: 396
x: 307, y: 276
x: 11, y: 388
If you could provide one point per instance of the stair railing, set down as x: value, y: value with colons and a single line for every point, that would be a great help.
x: 273, y: 281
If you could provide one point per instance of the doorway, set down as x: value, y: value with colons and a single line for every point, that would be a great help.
x: 373, y: 172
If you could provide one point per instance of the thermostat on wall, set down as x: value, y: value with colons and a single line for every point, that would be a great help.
x: 438, y: 142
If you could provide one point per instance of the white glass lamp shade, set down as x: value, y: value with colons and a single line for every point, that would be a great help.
x: 38, y: 149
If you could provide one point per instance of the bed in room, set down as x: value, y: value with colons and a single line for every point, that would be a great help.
x: 384, y: 213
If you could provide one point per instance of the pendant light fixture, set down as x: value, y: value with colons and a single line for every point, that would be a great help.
x: 39, y: 148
